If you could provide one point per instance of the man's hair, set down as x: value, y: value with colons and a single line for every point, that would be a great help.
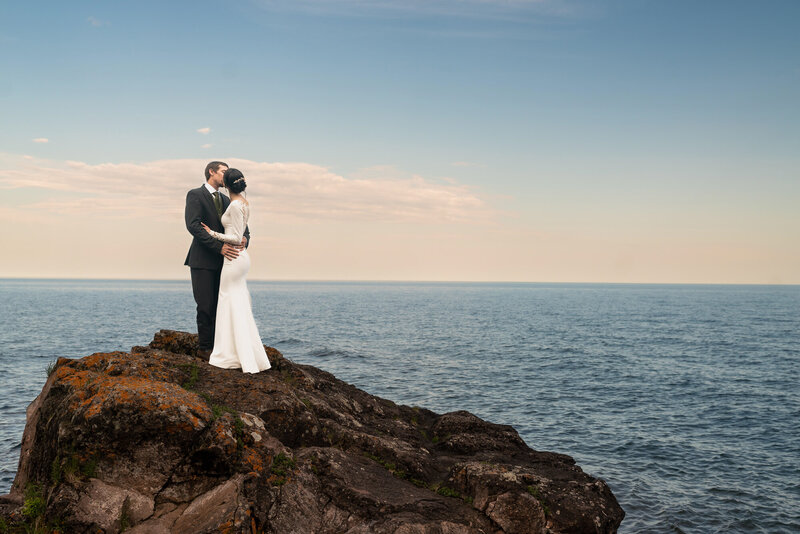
x: 214, y: 167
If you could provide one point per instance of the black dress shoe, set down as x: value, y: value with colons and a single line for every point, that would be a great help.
x: 204, y: 355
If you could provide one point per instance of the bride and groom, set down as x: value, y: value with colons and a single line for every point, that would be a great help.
x: 218, y: 260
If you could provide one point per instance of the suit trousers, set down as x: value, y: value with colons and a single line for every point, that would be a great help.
x: 205, y: 286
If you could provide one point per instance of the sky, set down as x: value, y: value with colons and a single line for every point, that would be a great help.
x: 624, y: 141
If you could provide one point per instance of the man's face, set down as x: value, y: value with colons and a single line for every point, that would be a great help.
x: 216, y: 176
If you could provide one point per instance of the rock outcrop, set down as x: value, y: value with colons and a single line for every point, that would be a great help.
x: 158, y: 441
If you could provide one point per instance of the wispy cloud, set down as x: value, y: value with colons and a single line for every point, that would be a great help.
x: 97, y: 23
x: 204, y: 131
x: 207, y: 145
x: 467, y: 164
x: 452, y: 8
x: 41, y: 140
x: 288, y: 190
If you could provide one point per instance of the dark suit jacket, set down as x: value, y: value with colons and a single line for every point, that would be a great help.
x: 205, y: 252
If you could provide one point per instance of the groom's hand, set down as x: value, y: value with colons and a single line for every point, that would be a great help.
x: 230, y: 251
x: 244, y: 242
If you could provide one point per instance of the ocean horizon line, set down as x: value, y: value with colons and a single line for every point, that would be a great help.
x: 400, y: 281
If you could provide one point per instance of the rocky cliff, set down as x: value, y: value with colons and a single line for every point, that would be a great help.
x: 156, y: 440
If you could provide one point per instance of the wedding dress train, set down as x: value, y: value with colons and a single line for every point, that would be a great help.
x: 236, y: 340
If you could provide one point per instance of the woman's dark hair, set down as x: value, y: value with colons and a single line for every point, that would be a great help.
x: 234, y: 180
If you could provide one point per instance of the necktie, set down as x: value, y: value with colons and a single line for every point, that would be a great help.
x: 218, y: 203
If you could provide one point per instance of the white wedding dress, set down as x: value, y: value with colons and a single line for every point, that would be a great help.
x: 236, y: 340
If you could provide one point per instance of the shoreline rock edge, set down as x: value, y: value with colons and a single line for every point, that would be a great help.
x: 155, y: 440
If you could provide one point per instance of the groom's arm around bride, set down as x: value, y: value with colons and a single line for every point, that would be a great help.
x: 205, y: 251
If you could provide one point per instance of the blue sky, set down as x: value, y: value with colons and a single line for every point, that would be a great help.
x: 611, y: 126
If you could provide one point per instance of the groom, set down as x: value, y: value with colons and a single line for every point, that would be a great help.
x: 206, y: 205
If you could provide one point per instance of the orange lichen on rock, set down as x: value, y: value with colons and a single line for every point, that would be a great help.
x: 222, y: 435
x: 253, y: 460
x: 152, y: 366
x: 93, y: 392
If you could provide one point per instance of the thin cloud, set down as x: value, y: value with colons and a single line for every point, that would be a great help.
x: 207, y: 145
x: 41, y: 140
x: 467, y: 164
x: 445, y: 8
x: 204, y: 131
x: 287, y: 190
x: 97, y: 23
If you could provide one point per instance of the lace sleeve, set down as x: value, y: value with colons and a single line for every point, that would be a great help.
x: 235, y: 231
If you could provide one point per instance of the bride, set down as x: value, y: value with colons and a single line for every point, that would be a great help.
x: 236, y: 340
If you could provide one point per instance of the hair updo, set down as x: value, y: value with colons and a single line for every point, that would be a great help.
x: 234, y: 181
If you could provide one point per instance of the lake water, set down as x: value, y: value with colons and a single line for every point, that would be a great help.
x: 685, y: 399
